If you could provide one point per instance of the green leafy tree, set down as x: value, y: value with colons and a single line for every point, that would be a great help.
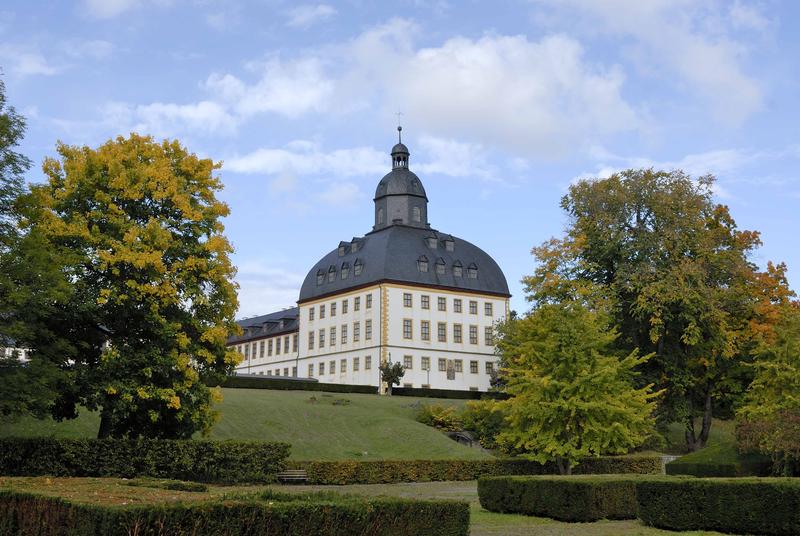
x: 135, y: 229
x: 391, y: 374
x: 769, y: 421
x: 671, y: 267
x: 13, y: 166
x: 571, y: 396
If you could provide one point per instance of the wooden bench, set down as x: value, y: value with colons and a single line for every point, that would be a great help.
x: 292, y: 475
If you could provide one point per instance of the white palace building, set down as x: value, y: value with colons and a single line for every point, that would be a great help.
x: 402, y: 292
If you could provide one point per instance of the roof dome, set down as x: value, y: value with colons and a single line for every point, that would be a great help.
x: 399, y: 148
x: 400, y: 181
x: 409, y: 255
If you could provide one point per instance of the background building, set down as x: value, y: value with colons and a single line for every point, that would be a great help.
x: 402, y: 292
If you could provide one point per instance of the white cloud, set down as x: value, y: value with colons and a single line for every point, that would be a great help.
x: 106, y: 9
x: 23, y: 62
x: 97, y: 49
x: 308, y: 15
x: 265, y: 287
x: 683, y: 38
x: 341, y: 194
x: 162, y: 119
x: 453, y: 158
x: 748, y: 16
x: 305, y: 158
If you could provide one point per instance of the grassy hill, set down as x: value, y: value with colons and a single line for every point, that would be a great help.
x: 318, y: 425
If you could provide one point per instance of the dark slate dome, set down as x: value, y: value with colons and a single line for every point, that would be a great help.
x: 400, y: 181
x: 395, y: 253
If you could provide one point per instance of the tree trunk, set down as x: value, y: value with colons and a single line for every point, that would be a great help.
x: 564, y: 467
x: 694, y: 441
x: 105, y: 426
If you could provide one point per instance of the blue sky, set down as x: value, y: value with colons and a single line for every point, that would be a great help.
x: 504, y: 105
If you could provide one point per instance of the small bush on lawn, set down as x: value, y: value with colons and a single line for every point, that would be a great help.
x: 205, y: 461
x: 738, y: 505
x: 573, y: 498
x: 486, y: 419
x: 442, y: 417
x: 29, y: 514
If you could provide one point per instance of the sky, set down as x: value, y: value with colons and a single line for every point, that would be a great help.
x: 504, y: 105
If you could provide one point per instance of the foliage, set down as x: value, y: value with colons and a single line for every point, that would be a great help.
x: 13, y: 166
x: 391, y: 374
x: 384, y: 472
x: 486, y: 419
x: 442, y: 417
x: 720, y: 458
x: 571, y: 397
x: 210, y: 461
x: 26, y: 387
x: 134, y: 227
x: 580, y: 499
x: 671, y: 268
x: 769, y: 421
x: 740, y: 505
x: 278, y: 383
x: 452, y: 394
x: 266, y: 513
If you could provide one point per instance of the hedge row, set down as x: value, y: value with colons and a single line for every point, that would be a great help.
x: 750, y: 467
x: 391, y: 471
x: 575, y: 498
x: 204, y: 461
x: 739, y: 505
x: 281, y: 384
x: 447, y: 393
x: 27, y: 514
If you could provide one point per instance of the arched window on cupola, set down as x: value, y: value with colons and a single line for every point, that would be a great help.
x: 380, y: 216
x: 416, y: 214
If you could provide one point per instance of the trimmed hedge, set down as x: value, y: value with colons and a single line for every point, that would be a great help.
x: 204, y: 461
x: 447, y: 393
x: 749, y: 467
x: 392, y: 471
x: 271, y: 514
x: 739, y: 505
x: 570, y: 498
x: 279, y: 384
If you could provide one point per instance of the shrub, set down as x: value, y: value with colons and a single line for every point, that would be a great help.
x: 442, y: 417
x: 390, y: 471
x: 205, y: 461
x: 587, y: 498
x: 740, y: 505
x: 486, y: 419
x: 27, y: 514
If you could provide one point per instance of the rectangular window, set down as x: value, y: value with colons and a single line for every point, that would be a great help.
x: 425, y: 330
x: 357, y: 303
x: 261, y: 349
x: 368, y: 330
x: 311, y: 313
x: 343, y: 366
x: 442, y: 331
x: 277, y: 346
x: 269, y: 373
x: 459, y: 365
x: 356, y: 331
x: 321, y: 369
x: 331, y: 367
x: 355, y: 364
x: 255, y: 347
x: 269, y: 347
x: 344, y: 333
x: 425, y: 301
x: 311, y: 370
x: 277, y: 372
x: 488, y: 335
x: 310, y: 340
x: 473, y: 334
x: 473, y: 367
x: 369, y: 301
x: 441, y: 303
x: 333, y: 309
x: 406, y: 299
x: 407, y: 332
x: 286, y: 344
x: 426, y: 363
x: 247, y: 351
x: 442, y: 365
x: 322, y: 338
x: 408, y: 362
x: 457, y: 333
x: 489, y: 367
x: 473, y: 307
x: 322, y: 311
x: 333, y: 336
x: 487, y: 308
x: 294, y: 372
x: 344, y: 307
x: 368, y: 362
x: 457, y: 305
x: 295, y: 342
x: 286, y: 371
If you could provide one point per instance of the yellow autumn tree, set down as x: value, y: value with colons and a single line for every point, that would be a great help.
x: 136, y: 225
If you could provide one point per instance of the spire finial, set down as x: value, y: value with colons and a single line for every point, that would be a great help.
x: 399, y: 128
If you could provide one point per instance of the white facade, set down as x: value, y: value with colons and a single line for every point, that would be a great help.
x: 269, y: 356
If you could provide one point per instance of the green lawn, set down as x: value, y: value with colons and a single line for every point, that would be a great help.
x: 369, y: 427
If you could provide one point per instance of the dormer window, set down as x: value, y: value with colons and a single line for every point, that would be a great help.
x: 422, y: 263
x: 345, y: 269
x: 431, y: 241
x: 458, y: 269
x: 342, y: 250
x: 440, y: 266
x: 354, y: 245
x: 320, y: 276
x: 358, y: 266
x: 449, y: 245
x: 331, y: 274
x: 472, y: 271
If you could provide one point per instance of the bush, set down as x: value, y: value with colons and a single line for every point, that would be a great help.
x: 27, y: 514
x: 486, y: 419
x: 205, y: 461
x: 388, y: 471
x: 564, y: 498
x: 740, y: 505
x: 442, y: 417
